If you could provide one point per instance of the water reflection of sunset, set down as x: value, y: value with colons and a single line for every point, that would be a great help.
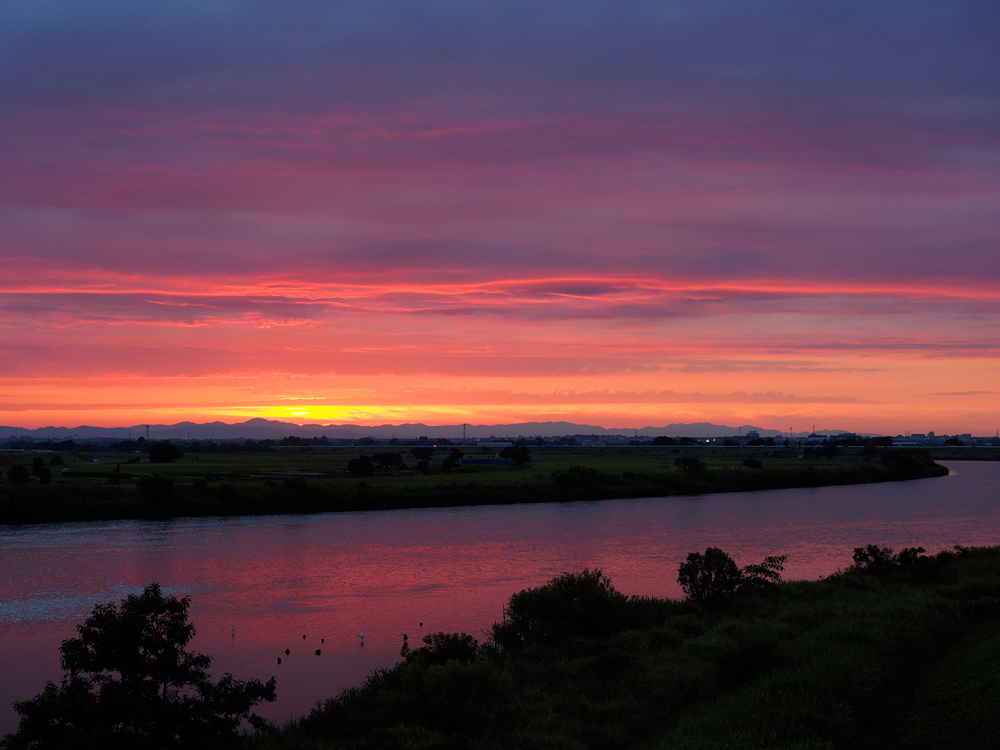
x: 259, y: 584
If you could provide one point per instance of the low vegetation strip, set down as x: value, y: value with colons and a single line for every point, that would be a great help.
x: 350, y: 480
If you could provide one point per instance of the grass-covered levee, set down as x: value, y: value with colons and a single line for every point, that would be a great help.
x: 897, y: 651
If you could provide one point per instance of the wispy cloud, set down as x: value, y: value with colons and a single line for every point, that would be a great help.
x: 706, y: 199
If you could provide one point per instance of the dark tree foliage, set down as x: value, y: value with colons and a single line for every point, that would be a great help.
x: 440, y: 648
x: 873, y: 559
x: 130, y: 683
x: 361, y: 466
x: 40, y: 470
x: 764, y: 573
x: 387, y: 461
x: 17, y: 473
x: 573, y: 604
x: 164, y: 452
x: 422, y: 454
x: 519, y: 454
x: 712, y: 577
x: 877, y: 560
x: 693, y: 466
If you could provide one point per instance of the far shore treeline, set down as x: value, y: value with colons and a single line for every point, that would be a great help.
x: 139, y: 479
x: 896, y: 650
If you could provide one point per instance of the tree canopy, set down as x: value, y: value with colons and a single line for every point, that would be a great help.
x: 131, y: 683
x: 713, y: 577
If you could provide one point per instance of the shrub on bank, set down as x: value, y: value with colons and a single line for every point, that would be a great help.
x: 578, y: 664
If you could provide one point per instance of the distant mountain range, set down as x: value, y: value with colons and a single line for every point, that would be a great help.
x: 267, y: 429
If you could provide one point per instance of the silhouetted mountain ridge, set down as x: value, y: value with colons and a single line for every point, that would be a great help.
x: 268, y: 429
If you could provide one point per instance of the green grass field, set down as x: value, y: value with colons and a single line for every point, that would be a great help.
x: 104, y: 485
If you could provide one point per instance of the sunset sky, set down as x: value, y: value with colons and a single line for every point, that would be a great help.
x: 776, y: 213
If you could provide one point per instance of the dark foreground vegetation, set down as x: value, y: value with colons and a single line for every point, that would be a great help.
x: 84, y: 487
x: 897, y: 651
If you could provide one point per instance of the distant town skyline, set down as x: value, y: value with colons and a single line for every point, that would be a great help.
x: 780, y: 214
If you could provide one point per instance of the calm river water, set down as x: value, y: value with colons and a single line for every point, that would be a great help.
x: 258, y: 585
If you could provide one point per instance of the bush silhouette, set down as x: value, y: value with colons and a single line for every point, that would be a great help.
x: 131, y: 683
x: 573, y: 604
x: 709, y: 577
x: 693, y: 466
x: 361, y: 466
x: 17, y: 473
x: 164, y: 452
x: 712, y: 577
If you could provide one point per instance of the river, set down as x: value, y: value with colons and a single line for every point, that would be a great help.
x: 265, y: 584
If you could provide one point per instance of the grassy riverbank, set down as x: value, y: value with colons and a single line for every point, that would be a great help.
x: 311, y: 480
x: 898, y: 651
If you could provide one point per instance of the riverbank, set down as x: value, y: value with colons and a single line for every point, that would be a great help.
x: 319, y: 481
x: 898, y: 650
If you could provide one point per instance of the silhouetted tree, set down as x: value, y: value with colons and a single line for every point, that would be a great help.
x: 388, y: 461
x: 17, y: 473
x: 873, y: 559
x: 164, y: 452
x: 40, y: 470
x: 518, y: 453
x: 361, y: 466
x: 713, y: 577
x: 692, y: 466
x: 710, y: 577
x: 573, y: 604
x: 130, y: 683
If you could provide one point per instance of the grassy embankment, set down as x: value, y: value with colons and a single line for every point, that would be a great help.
x: 899, y: 654
x: 308, y: 480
